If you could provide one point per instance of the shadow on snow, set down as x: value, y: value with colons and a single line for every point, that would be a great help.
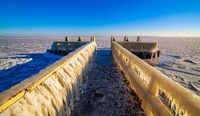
x: 20, y: 72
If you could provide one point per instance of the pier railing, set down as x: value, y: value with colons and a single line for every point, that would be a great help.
x: 51, y: 90
x: 159, y: 95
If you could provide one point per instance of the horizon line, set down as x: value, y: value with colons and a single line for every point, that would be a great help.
x: 162, y: 34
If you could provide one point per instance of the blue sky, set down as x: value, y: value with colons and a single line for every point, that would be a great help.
x: 99, y: 16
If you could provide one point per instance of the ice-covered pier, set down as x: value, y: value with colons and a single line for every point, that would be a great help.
x: 89, y: 81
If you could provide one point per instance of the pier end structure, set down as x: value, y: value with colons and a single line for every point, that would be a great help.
x: 65, y: 47
x: 147, y: 51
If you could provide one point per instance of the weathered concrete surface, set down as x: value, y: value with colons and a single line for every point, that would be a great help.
x: 105, y: 91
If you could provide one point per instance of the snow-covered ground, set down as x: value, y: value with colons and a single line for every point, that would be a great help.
x: 180, y: 60
x: 184, y: 71
x: 23, y: 56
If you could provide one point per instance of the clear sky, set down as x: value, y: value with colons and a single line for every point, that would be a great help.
x: 99, y: 16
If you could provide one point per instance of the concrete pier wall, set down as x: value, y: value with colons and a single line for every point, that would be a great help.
x: 52, y: 91
x: 160, y: 95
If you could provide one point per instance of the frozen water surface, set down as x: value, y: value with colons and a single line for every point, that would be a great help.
x: 180, y: 59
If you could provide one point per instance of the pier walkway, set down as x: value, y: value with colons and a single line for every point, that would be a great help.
x: 105, y: 91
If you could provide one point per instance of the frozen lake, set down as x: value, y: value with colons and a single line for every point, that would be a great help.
x: 23, y: 56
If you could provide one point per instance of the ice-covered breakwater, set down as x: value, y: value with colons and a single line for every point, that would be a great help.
x: 52, y: 91
x: 159, y: 94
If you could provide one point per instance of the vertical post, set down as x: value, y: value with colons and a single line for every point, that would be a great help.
x: 138, y: 39
x: 66, y: 39
x: 112, y: 38
x: 93, y: 39
x: 79, y: 38
x: 125, y: 38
